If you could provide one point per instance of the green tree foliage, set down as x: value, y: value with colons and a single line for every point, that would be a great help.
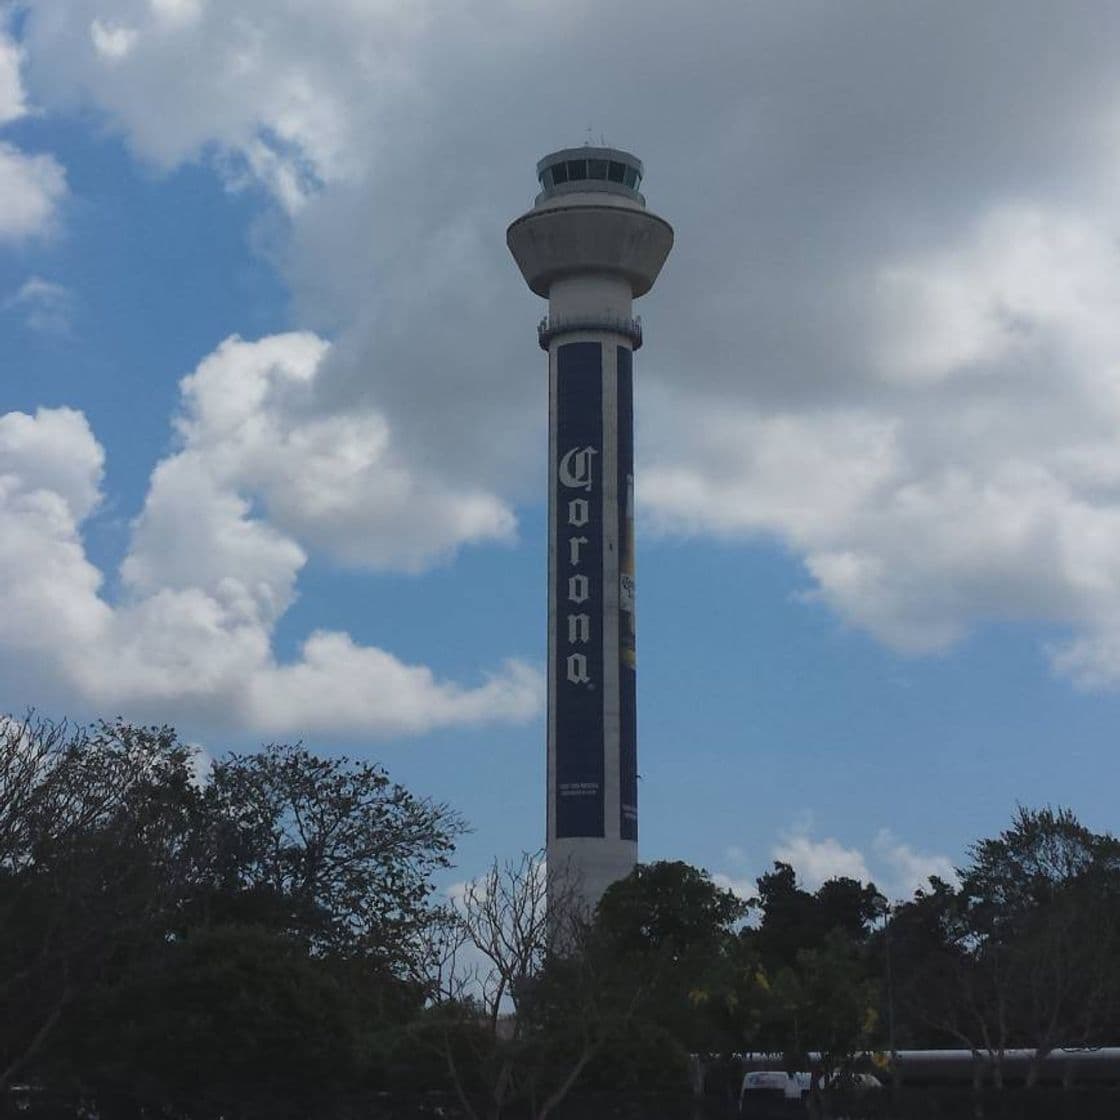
x: 267, y: 940
x: 326, y: 849
x: 826, y: 1005
x: 794, y: 919
x: 817, y: 988
x: 219, y: 923
x: 228, y: 1019
x: 557, y: 1000
x: 668, y: 909
x: 802, y: 978
x: 1024, y: 951
x: 96, y: 831
x: 675, y: 929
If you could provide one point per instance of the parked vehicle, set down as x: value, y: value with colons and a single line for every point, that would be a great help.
x: 772, y: 1093
x: 775, y: 1093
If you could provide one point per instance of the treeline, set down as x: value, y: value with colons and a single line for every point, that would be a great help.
x: 267, y: 941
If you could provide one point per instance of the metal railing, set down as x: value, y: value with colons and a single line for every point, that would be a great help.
x: 549, y: 328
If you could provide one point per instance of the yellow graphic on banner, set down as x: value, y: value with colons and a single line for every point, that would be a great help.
x: 627, y: 628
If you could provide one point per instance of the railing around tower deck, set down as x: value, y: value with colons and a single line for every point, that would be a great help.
x: 548, y: 328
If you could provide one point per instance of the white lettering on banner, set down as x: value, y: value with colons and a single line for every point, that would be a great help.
x: 579, y: 789
x: 575, y: 468
x: 579, y: 628
x: 577, y: 668
x: 576, y: 473
x: 573, y: 549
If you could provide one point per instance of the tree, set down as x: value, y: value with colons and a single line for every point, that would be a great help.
x: 1023, y: 953
x: 489, y: 954
x: 828, y: 1004
x: 531, y: 992
x: 1043, y: 903
x: 668, y: 908
x: 817, y: 988
x: 952, y: 988
x: 326, y: 849
x: 677, y: 929
x: 94, y: 843
x: 228, y: 1020
x: 130, y: 892
x: 794, y: 919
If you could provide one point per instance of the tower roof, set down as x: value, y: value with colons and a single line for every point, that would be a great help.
x: 589, y: 219
x: 610, y: 170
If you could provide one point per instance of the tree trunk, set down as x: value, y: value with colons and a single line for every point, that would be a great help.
x: 36, y: 1043
x: 456, y: 1080
x: 1035, y: 1070
x: 566, y: 1086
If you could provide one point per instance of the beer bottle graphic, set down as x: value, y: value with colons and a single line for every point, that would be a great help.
x: 626, y: 622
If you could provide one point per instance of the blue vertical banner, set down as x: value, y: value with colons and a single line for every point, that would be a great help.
x: 627, y: 625
x: 578, y: 591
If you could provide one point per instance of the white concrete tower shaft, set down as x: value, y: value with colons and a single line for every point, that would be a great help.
x: 590, y: 247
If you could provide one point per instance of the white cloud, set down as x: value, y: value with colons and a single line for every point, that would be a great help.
x: 196, y: 534
x: 205, y: 579
x: 112, y: 41
x: 201, y: 764
x: 984, y: 484
x: 1025, y: 280
x: 44, y: 305
x: 339, y: 685
x: 50, y: 471
x: 253, y: 425
x: 32, y: 186
x: 273, y: 89
x: 818, y: 860
x: 890, y: 863
x: 177, y: 12
x: 1092, y: 662
x: 741, y: 472
x: 13, y: 103
x: 740, y: 882
x: 909, y: 870
x: 907, y: 377
x: 52, y: 453
x: 741, y: 886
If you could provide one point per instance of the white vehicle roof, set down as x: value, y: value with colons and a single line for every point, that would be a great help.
x: 793, y: 1085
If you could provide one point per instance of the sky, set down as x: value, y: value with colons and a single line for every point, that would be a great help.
x: 273, y: 416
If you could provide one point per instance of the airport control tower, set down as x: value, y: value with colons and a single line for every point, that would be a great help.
x: 590, y: 246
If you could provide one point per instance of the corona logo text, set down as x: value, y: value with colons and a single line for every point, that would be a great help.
x: 577, y: 668
x: 575, y: 468
x: 579, y: 513
x: 576, y: 472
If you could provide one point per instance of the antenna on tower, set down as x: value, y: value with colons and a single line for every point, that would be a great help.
x: 587, y: 142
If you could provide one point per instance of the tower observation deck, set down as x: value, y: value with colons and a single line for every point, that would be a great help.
x: 590, y: 247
